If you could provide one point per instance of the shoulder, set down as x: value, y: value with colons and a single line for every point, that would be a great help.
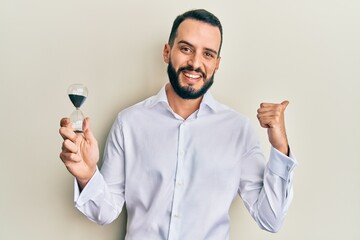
x: 136, y: 111
x: 227, y: 112
x: 222, y: 110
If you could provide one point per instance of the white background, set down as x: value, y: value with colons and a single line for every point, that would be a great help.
x: 304, y: 51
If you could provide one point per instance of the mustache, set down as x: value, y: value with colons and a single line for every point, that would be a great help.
x: 190, y: 68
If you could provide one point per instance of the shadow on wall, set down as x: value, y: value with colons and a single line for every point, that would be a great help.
x: 122, y: 224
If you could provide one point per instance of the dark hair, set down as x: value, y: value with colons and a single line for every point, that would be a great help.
x: 199, y: 15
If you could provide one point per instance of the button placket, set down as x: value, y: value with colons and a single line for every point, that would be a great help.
x: 179, y: 183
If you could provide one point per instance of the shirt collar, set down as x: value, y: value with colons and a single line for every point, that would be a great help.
x: 207, y: 101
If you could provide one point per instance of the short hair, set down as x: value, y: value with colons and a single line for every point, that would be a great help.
x: 200, y: 15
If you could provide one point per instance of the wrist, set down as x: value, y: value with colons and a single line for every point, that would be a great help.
x: 82, y: 182
x: 283, y: 149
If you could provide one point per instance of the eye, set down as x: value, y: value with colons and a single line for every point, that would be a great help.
x: 209, y: 55
x: 185, y: 49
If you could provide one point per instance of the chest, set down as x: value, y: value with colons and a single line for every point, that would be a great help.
x: 197, y: 149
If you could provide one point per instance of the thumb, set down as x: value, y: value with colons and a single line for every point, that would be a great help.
x: 285, y: 104
x: 87, y: 131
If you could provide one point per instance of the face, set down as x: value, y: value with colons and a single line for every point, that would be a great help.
x: 193, y: 59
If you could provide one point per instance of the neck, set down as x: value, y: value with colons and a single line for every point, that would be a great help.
x: 183, y: 107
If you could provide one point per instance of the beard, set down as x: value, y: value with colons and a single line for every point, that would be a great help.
x: 188, y: 92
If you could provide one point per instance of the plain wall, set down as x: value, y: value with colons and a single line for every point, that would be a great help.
x: 304, y: 51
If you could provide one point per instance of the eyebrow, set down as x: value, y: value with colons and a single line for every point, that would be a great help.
x: 187, y: 43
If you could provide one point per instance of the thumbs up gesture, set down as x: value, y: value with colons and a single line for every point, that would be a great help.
x: 271, y: 116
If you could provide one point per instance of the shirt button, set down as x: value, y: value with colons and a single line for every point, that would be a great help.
x: 176, y: 216
x: 182, y: 152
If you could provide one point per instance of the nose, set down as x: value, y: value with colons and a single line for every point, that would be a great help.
x: 195, y: 61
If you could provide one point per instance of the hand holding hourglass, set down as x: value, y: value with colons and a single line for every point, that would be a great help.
x: 80, y: 152
x: 77, y: 94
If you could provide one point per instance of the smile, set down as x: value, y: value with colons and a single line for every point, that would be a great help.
x: 191, y: 75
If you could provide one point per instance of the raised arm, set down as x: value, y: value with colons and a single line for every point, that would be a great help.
x: 267, y: 192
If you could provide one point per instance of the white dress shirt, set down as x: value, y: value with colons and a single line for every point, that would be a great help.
x: 179, y: 177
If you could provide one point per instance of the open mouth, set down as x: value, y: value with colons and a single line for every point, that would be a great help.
x: 192, y: 76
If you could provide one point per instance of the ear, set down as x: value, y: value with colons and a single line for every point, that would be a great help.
x: 166, y: 53
x: 217, y: 63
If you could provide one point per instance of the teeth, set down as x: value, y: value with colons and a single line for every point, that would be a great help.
x: 191, y: 76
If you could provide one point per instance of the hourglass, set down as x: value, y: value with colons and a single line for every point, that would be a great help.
x: 77, y: 94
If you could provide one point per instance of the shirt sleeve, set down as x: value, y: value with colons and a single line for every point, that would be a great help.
x: 266, y: 188
x: 102, y: 198
x: 269, y: 200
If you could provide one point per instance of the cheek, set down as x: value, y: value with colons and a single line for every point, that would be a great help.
x: 175, y: 56
x: 211, y: 69
x: 175, y: 63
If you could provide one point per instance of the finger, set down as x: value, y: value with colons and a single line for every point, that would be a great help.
x: 65, y: 122
x: 285, y: 104
x: 273, y: 110
x: 265, y: 104
x: 67, y: 133
x: 68, y: 157
x: 273, y: 107
x: 265, y: 125
x: 69, y: 146
x: 87, y: 131
x: 265, y: 109
x: 265, y: 120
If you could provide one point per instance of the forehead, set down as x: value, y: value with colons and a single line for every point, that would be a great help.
x: 199, y: 34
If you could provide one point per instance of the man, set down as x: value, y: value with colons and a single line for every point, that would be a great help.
x: 179, y: 158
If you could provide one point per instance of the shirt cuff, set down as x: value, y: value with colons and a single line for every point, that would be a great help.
x: 90, y: 190
x: 280, y: 164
